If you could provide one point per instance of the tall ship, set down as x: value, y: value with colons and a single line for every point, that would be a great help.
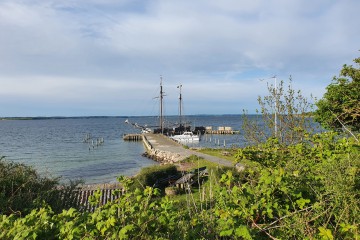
x: 181, y: 131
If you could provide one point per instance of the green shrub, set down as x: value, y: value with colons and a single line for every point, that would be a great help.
x: 150, y: 176
x: 23, y: 189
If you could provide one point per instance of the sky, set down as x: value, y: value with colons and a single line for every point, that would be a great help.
x: 105, y: 57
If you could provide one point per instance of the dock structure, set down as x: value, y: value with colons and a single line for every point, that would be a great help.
x: 229, y: 132
x: 169, y: 151
x: 220, y: 130
x: 133, y: 137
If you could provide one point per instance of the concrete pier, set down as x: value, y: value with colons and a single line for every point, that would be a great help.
x: 166, y: 150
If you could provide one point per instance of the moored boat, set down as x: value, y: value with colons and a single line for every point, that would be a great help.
x: 186, y: 137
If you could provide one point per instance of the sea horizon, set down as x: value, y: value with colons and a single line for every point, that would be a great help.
x: 113, y: 116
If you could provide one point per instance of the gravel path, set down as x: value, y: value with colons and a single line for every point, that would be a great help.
x: 163, y: 143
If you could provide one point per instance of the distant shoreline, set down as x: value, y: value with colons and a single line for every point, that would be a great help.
x: 124, y: 117
x: 89, y: 117
x: 50, y: 118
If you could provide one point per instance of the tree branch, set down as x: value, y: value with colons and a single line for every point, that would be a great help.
x: 344, y: 126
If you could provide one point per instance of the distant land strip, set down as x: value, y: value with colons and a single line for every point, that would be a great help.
x: 308, y: 114
x: 47, y: 118
x: 87, y: 117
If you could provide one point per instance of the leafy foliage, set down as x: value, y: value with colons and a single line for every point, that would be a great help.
x: 283, y: 114
x: 305, y: 189
x: 308, y: 190
x: 340, y: 105
x: 149, y: 176
x: 23, y: 189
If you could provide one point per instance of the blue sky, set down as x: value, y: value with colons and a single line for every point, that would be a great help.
x: 105, y: 57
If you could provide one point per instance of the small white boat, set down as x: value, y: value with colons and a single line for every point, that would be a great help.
x: 186, y: 137
x: 146, y: 130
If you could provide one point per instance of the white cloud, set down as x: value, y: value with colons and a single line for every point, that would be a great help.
x: 116, y: 50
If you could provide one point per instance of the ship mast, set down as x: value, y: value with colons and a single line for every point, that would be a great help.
x: 180, y: 106
x: 161, y: 107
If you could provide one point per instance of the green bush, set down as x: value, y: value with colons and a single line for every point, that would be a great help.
x: 306, y: 190
x: 150, y: 176
x: 23, y: 189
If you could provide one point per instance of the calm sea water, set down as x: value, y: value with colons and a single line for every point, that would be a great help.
x: 55, y: 147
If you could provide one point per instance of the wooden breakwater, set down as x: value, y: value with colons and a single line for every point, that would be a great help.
x: 83, y: 197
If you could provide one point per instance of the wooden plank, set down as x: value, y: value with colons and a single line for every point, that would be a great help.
x: 80, y: 198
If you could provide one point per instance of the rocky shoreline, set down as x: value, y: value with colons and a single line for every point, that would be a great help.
x: 169, y: 156
x: 163, y: 157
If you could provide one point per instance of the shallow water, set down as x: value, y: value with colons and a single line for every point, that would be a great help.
x: 55, y: 147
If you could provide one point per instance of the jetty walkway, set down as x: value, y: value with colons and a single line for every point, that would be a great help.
x: 168, y: 150
x: 158, y: 147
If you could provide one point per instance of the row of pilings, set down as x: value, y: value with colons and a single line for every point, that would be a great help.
x: 133, y: 137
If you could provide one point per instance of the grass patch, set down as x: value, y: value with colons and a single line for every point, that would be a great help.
x: 200, y: 190
x: 203, y: 185
x: 228, y: 154
x: 150, y: 176
x: 194, y: 162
